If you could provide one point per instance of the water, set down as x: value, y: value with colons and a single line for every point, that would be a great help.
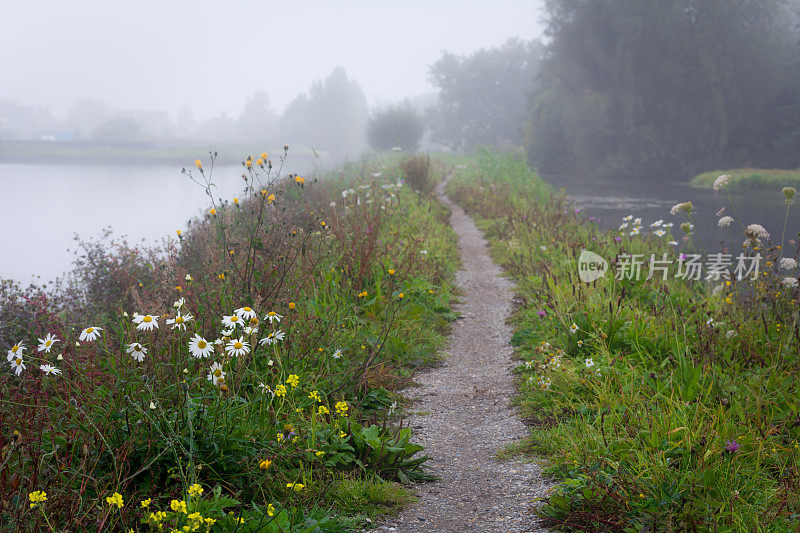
x: 611, y: 200
x: 44, y: 206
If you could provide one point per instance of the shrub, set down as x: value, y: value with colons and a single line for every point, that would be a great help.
x: 398, y: 126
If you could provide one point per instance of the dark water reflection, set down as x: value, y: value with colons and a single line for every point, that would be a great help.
x: 611, y: 200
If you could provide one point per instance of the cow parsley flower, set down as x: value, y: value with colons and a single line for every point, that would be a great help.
x: 686, y: 207
x: 725, y: 221
x: 199, y: 347
x: 787, y: 263
x: 721, y: 182
x: 46, y: 344
x: 789, y: 282
x: 137, y: 351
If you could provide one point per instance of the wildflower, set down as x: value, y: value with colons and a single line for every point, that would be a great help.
x: 659, y: 233
x: 195, y: 490
x: 198, y: 164
x: 17, y: 365
x: 341, y: 408
x: 573, y: 328
x: 544, y: 383
x: 199, y: 347
x: 732, y: 446
x: 270, y: 198
x: 789, y: 192
x: 400, y: 295
x: 314, y: 395
x: 212, y: 212
x: 543, y: 248
x: 293, y: 380
x: 721, y: 182
x: 673, y: 243
x: 152, y: 406
x: 725, y: 221
x: 265, y: 388
x: 300, y: 181
x: 216, y: 374
x: 179, y: 322
x: 157, y: 517
x: 291, y: 305
x: 730, y: 333
x: 297, y: 487
x: 145, y: 322
x: 36, y: 497
x: 245, y: 313
x: 273, y: 337
x: 657, y: 223
x: 188, y: 277
x: 337, y: 354
x: 237, y: 347
x: 280, y: 390
x: 46, y: 344
x: 319, y: 454
x: 15, y: 351
x: 115, y: 499
x: 787, y: 263
x: 273, y: 316
x: 686, y: 207
x: 263, y: 465
x: 232, y: 321
x: 90, y: 334
x: 756, y: 231
x: 49, y: 369
x: 250, y: 330
x: 179, y: 506
x: 322, y: 410
x: 177, y: 304
x: 146, y: 503
x: 789, y: 282
x: 629, y: 217
x: 271, y: 510
x: 589, y: 362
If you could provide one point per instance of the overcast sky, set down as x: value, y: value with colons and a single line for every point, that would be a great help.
x: 164, y: 54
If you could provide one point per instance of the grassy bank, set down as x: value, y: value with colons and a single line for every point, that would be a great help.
x: 245, y: 376
x: 661, y: 404
x: 750, y: 178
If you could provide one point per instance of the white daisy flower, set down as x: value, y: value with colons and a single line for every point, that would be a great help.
x: 46, y: 344
x: 250, y: 330
x: 273, y: 316
x: 218, y: 342
x: 657, y: 223
x: 659, y: 233
x: 17, y: 365
x: 337, y: 354
x: 237, y: 347
x: 216, y: 373
x: 199, y: 347
x: 90, y: 334
x: 227, y: 332
x: 188, y: 278
x: 231, y: 321
x: 137, y: 351
x: 50, y: 370
x: 145, y: 322
x: 17, y: 350
x: 177, y: 304
x: 245, y: 313
x: 673, y: 243
x: 573, y: 328
x: 629, y: 217
x: 543, y: 248
x: 179, y: 322
x: 589, y: 362
x: 623, y: 226
x: 273, y: 337
x: 152, y: 405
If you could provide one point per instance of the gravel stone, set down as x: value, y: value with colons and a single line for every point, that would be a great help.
x: 467, y: 412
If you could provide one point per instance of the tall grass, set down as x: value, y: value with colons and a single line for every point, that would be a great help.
x: 245, y: 375
x: 660, y: 405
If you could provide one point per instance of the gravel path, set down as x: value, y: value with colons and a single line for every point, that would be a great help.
x: 465, y: 414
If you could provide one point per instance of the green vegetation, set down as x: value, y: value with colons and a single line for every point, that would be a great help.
x: 241, y: 378
x: 660, y: 405
x: 750, y: 178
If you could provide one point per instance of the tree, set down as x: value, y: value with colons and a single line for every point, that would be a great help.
x: 661, y: 87
x: 119, y: 131
x: 396, y: 126
x: 332, y: 116
x: 258, y: 123
x: 483, y: 97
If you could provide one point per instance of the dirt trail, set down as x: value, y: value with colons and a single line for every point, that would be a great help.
x: 465, y: 414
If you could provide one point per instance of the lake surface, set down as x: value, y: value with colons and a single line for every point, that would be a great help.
x: 612, y: 200
x: 45, y: 206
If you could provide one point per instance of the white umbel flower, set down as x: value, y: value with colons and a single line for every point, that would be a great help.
x: 787, y: 263
x: 137, y: 351
x: 789, y: 282
x: 46, y: 344
x: 199, y: 347
x: 725, y: 221
x: 721, y: 182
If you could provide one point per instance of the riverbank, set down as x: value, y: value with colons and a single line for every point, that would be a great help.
x: 750, y: 178
x: 659, y: 404
x: 243, y: 377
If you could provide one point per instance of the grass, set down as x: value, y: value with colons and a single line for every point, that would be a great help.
x: 659, y: 405
x: 750, y: 178
x: 289, y: 425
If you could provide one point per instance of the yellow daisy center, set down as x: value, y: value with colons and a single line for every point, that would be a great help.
x: 234, y: 318
x: 201, y: 344
x: 246, y: 309
x: 179, y: 320
x: 89, y: 330
x: 19, y: 361
x: 272, y: 313
x: 237, y: 345
x: 148, y: 318
x: 14, y: 349
x: 48, y: 343
x: 217, y: 372
x: 254, y: 321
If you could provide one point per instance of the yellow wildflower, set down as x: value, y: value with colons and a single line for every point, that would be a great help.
x: 271, y: 510
x: 115, y: 499
x: 263, y: 465
x: 280, y: 390
x: 322, y: 410
x: 341, y: 408
x: 147, y: 502
x: 293, y: 380
x: 36, y: 497
x: 195, y: 490
x: 297, y: 487
x: 198, y: 164
x: 178, y: 506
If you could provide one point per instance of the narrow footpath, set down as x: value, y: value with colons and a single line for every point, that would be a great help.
x: 464, y: 413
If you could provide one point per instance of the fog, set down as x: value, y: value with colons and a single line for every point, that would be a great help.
x: 209, y: 57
